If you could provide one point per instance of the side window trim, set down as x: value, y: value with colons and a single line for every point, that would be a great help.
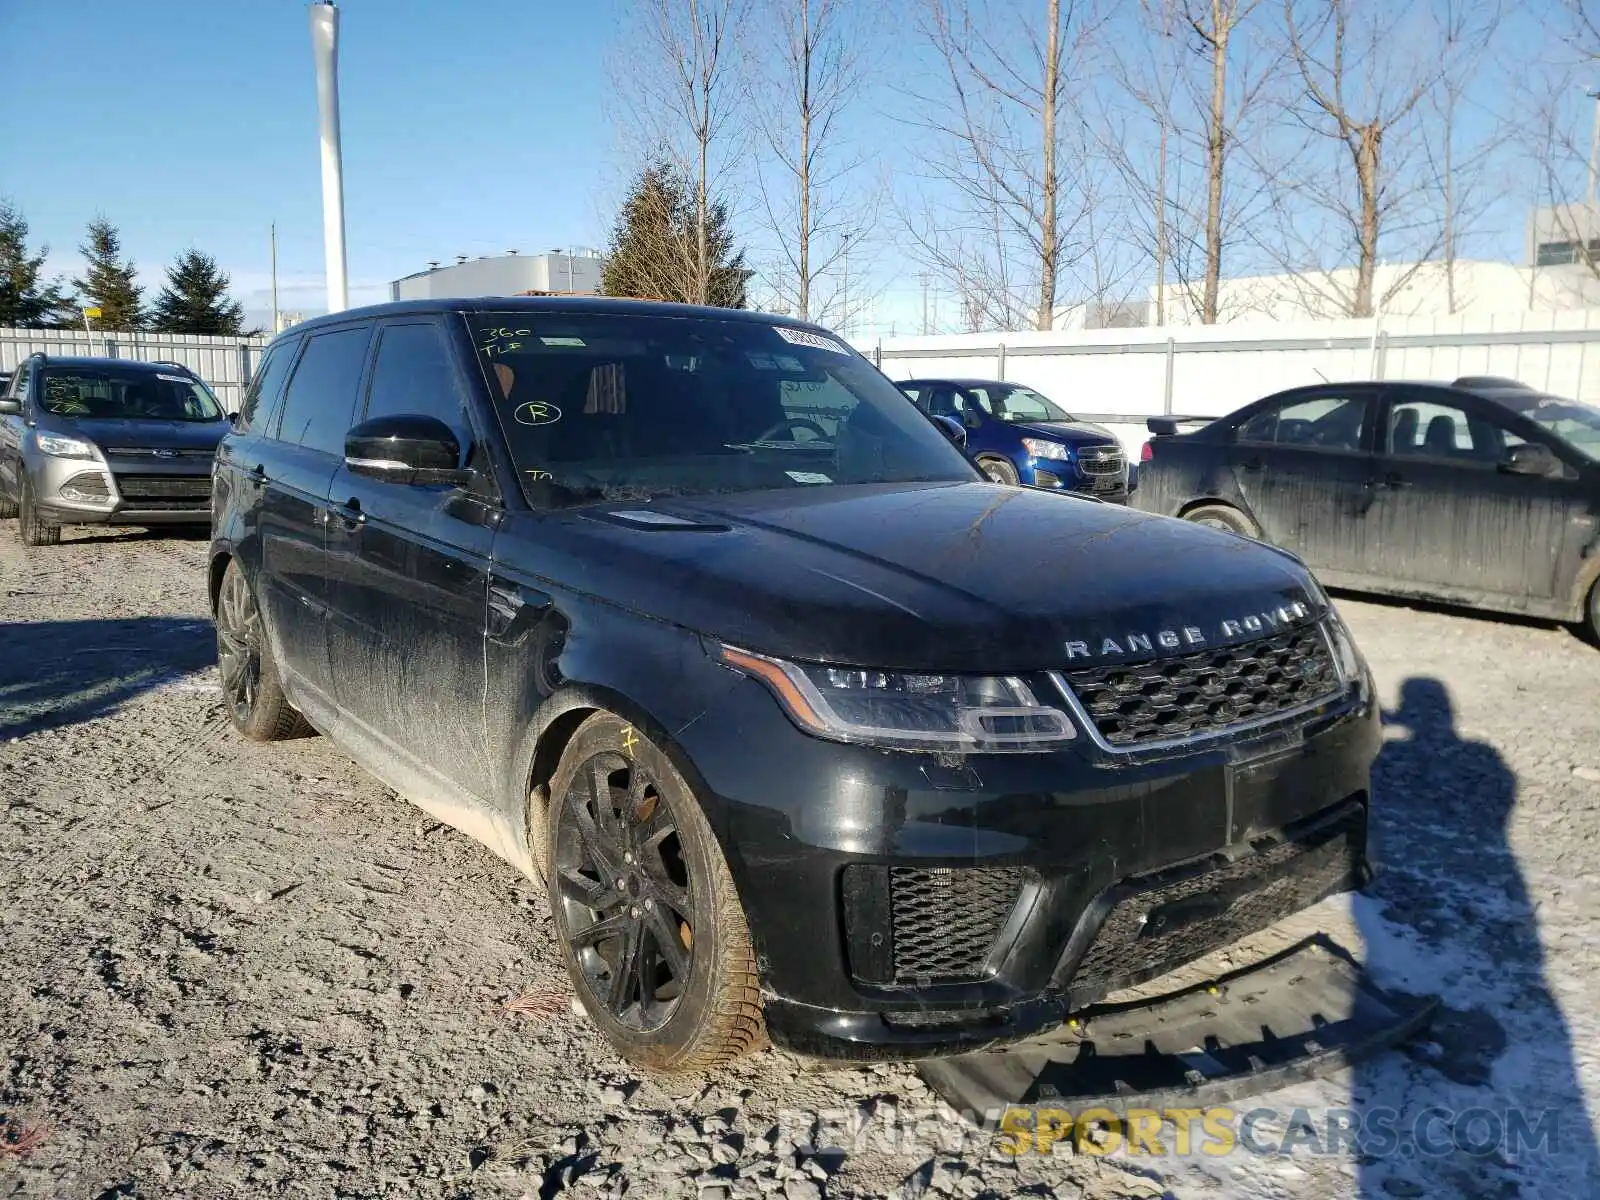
x: 1364, y: 393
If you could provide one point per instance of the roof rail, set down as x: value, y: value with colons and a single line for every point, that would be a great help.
x: 170, y: 362
x: 1491, y: 381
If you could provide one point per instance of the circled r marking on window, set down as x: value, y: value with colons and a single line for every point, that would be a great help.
x: 536, y: 412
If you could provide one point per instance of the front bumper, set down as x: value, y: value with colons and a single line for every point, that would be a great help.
x: 904, y: 905
x: 1066, y: 476
x: 76, y: 491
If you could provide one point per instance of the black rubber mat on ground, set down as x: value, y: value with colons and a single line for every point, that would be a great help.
x: 1307, y: 1011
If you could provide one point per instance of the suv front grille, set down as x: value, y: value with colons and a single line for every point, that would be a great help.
x: 165, y: 487
x: 1206, y: 692
x: 945, y: 919
x: 1101, y: 460
x: 1159, y: 922
x: 157, y: 452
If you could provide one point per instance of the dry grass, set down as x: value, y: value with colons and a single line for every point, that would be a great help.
x: 538, y: 1002
x: 18, y: 1139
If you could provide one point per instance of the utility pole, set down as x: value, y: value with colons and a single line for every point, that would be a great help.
x: 925, y: 329
x: 325, y: 50
x: 273, y: 235
x: 1594, y: 150
x: 844, y: 291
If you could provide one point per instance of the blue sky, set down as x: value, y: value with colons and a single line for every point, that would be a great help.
x: 469, y: 128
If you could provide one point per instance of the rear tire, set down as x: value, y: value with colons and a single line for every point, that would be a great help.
x: 645, y: 910
x: 250, y: 687
x: 1224, y: 516
x: 34, y: 529
x: 999, y: 471
x: 1591, y: 622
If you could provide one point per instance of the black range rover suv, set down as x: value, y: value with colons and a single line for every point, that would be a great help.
x: 692, y: 614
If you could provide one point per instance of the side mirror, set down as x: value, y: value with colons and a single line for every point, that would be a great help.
x: 952, y: 429
x: 1531, y: 458
x: 409, y: 449
x: 9, y: 406
x: 233, y: 419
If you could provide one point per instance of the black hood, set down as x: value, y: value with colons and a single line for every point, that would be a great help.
x: 960, y: 577
x: 141, y: 434
x: 1071, y: 433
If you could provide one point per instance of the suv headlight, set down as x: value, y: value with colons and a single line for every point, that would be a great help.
x: 58, y: 445
x: 972, y: 714
x: 1352, y: 667
x: 1040, y: 448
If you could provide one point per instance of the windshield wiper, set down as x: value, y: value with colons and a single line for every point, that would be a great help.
x: 751, y: 447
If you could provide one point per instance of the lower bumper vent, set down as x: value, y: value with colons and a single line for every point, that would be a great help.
x: 1159, y: 922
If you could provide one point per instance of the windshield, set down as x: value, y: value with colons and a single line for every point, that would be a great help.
x: 618, y: 406
x: 1572, y: 421
x: 1008, y: 402
x: 125, y: 395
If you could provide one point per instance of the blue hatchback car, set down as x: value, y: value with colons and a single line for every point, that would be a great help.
x: 1016, y: 435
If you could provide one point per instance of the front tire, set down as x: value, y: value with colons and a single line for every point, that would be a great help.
x: 649, y: 923
x: 34, y: 529
x: 998, y: 470
x: 250, y: 686
x: 1591, y: 622
x: 1224, y: 516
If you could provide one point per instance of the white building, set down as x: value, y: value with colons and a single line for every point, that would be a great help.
x: 503, y: 275
x: 1401, y: 290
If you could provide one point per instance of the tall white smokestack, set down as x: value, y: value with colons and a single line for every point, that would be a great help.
x: 325, y: 48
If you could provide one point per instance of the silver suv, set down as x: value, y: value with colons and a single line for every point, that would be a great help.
x: 91, y: 441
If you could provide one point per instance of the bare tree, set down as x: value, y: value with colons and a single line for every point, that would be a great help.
x: 1358, y: 96
x: 1214, y: 23
x: 812, y: 202
x: 1459, y: 170
x: 1009, y: 226
x: 676, y: 72
x: 1188, y: 74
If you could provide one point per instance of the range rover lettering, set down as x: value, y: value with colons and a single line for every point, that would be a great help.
x: 692, y: 615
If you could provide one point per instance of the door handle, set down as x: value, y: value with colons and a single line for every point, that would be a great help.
x: 1252, y: 464
x: 350, y: 514
x: 1395, y: 480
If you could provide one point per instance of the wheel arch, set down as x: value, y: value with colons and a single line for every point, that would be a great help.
x: 551, y: 731
x: 216, y: 570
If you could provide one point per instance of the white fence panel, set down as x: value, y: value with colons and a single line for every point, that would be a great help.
x: 1123, y: 376
x: 226, y: 363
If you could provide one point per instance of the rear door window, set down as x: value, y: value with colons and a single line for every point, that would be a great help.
x: 321, y: 402
x: 1326, y: 421
x: 261, y: 397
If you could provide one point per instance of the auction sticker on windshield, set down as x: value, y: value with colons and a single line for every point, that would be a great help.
x: 804, y: 337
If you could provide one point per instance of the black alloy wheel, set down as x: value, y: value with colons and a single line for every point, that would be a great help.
x: 624, y: 893
x: 250, y: 687
x: 238, y: 646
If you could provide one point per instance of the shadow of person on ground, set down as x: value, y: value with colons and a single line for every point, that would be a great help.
x: 1450, y: 913
x: 55, y: 673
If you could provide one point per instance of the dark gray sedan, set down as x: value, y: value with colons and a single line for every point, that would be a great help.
x: 1483, y: 492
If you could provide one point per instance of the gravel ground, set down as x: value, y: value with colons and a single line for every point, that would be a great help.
x: 229, y: 969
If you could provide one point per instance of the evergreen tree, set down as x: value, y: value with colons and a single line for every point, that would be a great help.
x: 195, y: 299
x: 654, y: 252
x: 26, y: 300
x: 108, y: 283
